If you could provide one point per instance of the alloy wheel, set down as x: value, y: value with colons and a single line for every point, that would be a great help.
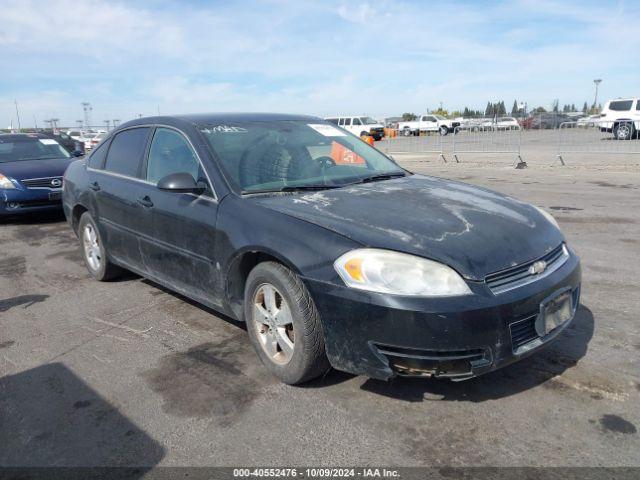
x: 273, y: 322
x: 91, y: 247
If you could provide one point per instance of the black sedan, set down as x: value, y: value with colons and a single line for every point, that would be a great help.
x: 330, y: 252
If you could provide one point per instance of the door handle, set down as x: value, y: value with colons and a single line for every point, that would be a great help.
x: 145, y: 201
x: 95, y: 186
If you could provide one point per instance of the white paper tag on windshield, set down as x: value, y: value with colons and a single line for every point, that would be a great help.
x: 326, y: 130
x: 48, y: 141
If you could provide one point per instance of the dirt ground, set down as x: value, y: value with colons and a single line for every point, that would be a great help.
x: 127, y: 373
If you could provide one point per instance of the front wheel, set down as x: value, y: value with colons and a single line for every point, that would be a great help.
x: 283, y: 324
x: 443, y: 130
x: 93, y: 250
x: 407, y: 132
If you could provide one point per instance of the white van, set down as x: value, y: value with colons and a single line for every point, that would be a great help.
x: 622, y: 118
x: 359, y: 126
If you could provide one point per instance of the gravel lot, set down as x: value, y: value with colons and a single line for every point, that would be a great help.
x: 127, y: 373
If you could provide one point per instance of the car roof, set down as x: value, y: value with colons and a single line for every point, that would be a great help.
x: 11, y: 136
x: 214, y: 118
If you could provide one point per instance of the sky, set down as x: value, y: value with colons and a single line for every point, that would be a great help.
x: 328, y: 57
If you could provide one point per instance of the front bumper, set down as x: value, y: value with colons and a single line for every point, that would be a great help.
x: 21, y: 201
x: 382, y: 336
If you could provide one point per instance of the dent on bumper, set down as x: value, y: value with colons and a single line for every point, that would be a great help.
x: 382, y: 336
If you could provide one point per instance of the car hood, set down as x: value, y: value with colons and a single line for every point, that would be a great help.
x: 473, y: 230
x: 53, y: 167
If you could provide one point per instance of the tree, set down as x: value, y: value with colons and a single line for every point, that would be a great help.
x: 585, y: 108
x: 515, y: 109
x: 539, y: 110
x: 409, y: 117
x: 488, y: 112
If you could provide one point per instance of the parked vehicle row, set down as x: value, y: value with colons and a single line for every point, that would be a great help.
x: 360, y: 126
x: 427, y: 123
x: 301, y: 230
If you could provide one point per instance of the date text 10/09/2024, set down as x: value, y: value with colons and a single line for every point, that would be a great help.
x: 368, y: 472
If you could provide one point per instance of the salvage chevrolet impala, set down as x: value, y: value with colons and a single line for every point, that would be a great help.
x: 330, y: 252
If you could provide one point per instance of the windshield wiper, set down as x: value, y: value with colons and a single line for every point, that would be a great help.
x: 380, y: 177
x: 292, y: 188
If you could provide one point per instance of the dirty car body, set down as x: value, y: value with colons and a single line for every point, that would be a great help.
x: 515, y: 282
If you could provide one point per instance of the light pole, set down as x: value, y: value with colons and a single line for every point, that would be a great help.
x: 115, y: 122
x: 597, y: 81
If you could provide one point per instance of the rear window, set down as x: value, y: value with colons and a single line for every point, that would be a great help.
x: 126, y: 151
x: 621, y: 105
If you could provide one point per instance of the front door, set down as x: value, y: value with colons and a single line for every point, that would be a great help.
x: 181, y: 252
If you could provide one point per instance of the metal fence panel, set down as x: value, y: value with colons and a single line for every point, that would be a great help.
x: 488, y: 139
x: 599, y: 137
x: 430, y: 143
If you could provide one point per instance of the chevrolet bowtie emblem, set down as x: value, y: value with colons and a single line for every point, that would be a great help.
x: 538, y: 267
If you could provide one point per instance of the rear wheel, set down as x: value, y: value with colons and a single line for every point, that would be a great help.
x: 93, y: 251
x: 624, y: 131
x: 283, y: 324
x: 406, y: 132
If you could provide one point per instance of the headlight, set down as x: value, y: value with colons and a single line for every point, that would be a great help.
x: 548, y: 216
x: 5, y: 182
x: 384, y: 271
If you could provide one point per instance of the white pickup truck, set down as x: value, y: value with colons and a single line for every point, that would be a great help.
x: 427, y: 123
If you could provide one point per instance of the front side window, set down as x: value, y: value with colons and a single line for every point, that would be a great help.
x: 293, y: 154
x: 125, y: 152
x: 24, y: 148
x: 171, y: 153
x: 621, y: 105
x: 356, y: 121
x: 637, y: 104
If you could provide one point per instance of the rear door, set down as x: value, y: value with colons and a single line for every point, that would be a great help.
x: 181, y: 253
x: 121, y: 213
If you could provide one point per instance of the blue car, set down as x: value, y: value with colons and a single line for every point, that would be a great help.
x: 31, y: 171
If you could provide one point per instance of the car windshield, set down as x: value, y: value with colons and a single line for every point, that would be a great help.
x: 368, y: 121
x: 17, y: 149
x: 271, y: 156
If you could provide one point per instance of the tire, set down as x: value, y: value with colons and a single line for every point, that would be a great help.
x: 293, y: 351
x: 444, y: 130
x: 624, y: 131
x: 99, y: 265
x: 406, y: 132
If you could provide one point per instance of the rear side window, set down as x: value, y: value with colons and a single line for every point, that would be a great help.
x: 637, y: 104
x: 347, y: 122
x: 96, y: 159
x: 621, y: 105
x: 126, y: 151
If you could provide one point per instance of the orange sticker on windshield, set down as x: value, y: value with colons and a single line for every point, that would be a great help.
x: 343, y: 156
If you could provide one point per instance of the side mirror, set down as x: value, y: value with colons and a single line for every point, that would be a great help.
x: 180, y: 182
x: 78, y: 153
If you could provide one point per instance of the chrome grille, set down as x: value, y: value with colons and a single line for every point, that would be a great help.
x: 521, y: 275
x: 42, y: 182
